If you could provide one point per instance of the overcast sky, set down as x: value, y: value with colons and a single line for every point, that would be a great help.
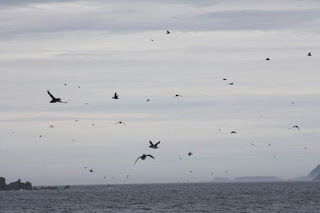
x: 105, y: 47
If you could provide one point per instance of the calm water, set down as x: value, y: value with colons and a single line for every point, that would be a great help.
x: 218, y: 197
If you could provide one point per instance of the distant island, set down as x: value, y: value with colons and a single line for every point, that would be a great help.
x: 314, y: 175
x: 17, y: 185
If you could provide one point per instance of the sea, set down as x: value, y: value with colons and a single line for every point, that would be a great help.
x: 286, y: 197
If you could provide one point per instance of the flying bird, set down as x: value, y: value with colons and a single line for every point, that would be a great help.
x: 168, y: 32
x: 120, y: 122
x: 177, y: 95
x: 296, y: 127
x: 231, y: 83
x: 54, y: 100
x: 91, y: 170
x: 143, y: 157
x: 309, y: 54
x: 51, y: 126
x: 154, y: 146
x: 224, y: 79
x: 190, y: 153
x: 233, y: 132
x: 267, y: 59
x: 116, y: 96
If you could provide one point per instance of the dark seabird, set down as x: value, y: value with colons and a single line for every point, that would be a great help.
x: 267, y: 59
x: 154, y: 146
x: 190, y: 171
x: 190, y: 153
x: 309, y: 54
x: 51, y: 126
x: 65, y: 84
x: 269, y: 145
x: 116, y: 96
x: 143, y: 157
x: 90, y: 170
x: 151, y: 39
x: 54, y: 100
x: 177, y: 95
x: 233, y: 132
x: 296, y: 127
x: 148, y: 100
x: 76, y: 121
x: 40, y: 136
x: 230, y: 83
x: 292, y: 102
x: 92, y: 124
x: 224, y: 79
x: 168, y: 32
x: 120, y: 122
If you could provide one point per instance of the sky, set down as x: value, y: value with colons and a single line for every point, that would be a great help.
x: 106, y: 47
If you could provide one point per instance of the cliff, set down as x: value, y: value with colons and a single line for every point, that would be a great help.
x: 17, y: 185
x: 315, y: 173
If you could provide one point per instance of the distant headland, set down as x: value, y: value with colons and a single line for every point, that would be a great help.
x: 17, y: 185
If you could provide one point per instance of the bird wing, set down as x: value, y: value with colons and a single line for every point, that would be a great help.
x: 150, y: 156
x: 157, y: 143
x: 136, y: 160
x: 50, y: 95
x: 151, y: 143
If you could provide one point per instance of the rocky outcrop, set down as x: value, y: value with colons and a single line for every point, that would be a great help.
x: 17, y: 185
x: 315, y: 173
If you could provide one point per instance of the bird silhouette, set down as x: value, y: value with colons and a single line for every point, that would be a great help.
x: 154, y: 146
x: 90, y: 170
x: 267, y: 59
x: 143, y: 157
x: 54, y: 100
x: 116, y: 96
x: 168, y: 32
x: 51, y: 126
x: 190, y: 153
x: 231, y: 83
x: 177, y: 95
x: 309, y: 54
x: 148, y: 100
x: 233, y: 132
x: 120, y: 122
x: 296, y: 127
x: 224, y: 79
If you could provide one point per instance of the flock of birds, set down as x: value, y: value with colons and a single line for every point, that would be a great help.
x: 154, y: 145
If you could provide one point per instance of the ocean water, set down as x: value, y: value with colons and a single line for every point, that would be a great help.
x: 284, y: 197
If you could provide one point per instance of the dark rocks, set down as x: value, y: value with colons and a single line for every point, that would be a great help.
x: 17, y: 185
x: 2, y: 183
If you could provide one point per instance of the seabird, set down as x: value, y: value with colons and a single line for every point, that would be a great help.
x: 54, y: 100
x: 252, y: 144
x: 143, y: 157
x: 116, y: 96
x: 120, y: 122
x: 168, y: 32
x: 233, y: 132
x: 154, y: 146
x: 177, y: 95
x: 224, y: 79
x: 148, y: 100
x: 230, y: 83
x: 90, y: 170
x: 151, y: 39
x: 309, y: 54
x: 51, y: 126
x: 267, y: 59
x: 296, y: 127
x: 190, y: 153
x: 292, y: 102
